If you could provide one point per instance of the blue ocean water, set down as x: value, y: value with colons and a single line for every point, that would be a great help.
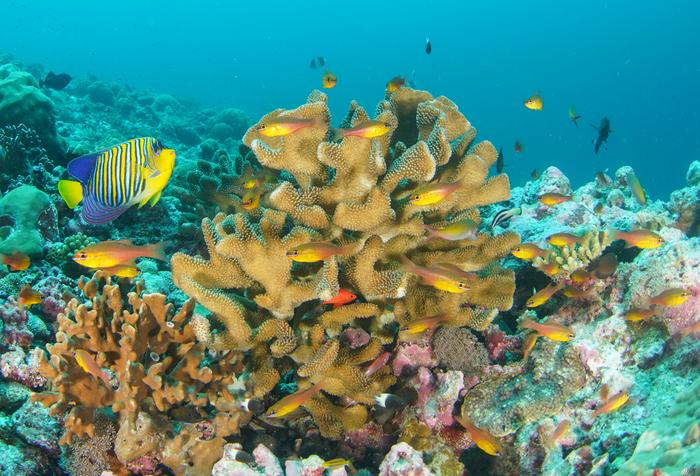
x: 636, y: 63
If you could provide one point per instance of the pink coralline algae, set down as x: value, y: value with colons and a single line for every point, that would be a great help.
x: 437, y: 409
x: 15, y: 332
x: 498, y: 343
x: 410, y: 355
x: 403, y: 460
x: 22, y: 367
x: 266, y: 463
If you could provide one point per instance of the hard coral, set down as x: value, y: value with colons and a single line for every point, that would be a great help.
x: 157, y: 369
x: 353, y: 190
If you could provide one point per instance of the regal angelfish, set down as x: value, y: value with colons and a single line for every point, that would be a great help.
x: 112, y: 180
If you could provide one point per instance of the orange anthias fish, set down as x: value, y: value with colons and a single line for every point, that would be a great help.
x: 612, y: 404
x: 560, y: 431
x: 317, y: 251
x: 395, y: 84
x: 534, y: 103
x: 529, y: 344
x: 483, y: 439
x: 28, y: 297
x: 576, y: 293
x: 421, y: 325
x: 108, y: 254
x: 366, y: 130
x: 543, y: 295
x: 581, y: 276
x: 441, y: 278
x: 378, y: 363
x: 329, y: 80
x: 16, y: 261
x: 528, y: 251
x: 291, y: 402
x: 551, y: 199
x: 671, y: 297
x: 691, y: 329
x: 550, y: 269
x: 563, y: 239
x: 640, y: 238
x: 285, y: 125
x: 344, y: 296
x: 636, y: 315
x: 433, y: 193
x: 552, y: 331
x: 126, y: 270
x: 88, y: 364
x: 461, y: 230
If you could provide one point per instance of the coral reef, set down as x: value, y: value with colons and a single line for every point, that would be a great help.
x: 347, y: 191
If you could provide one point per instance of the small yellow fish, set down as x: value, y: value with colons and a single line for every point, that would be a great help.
x: 576, y: 293
x: 108, y: 254
x: 291, y: 402
x: 28, y: 297
x: 560, y: 431
x: 251, y: 199
x: 283, y: 126
x: 88, y: 364
x: 126, y: 270
x: 543, y: 295
x: 366, y: 130
x: 563, y: 239
x: 329, y: 80
x: 440, y: 277
x: 581, y: 276
x: 552, y: 331
x: 316, y: 251
x: 534, y: 103
x: 395, y: 84
x: 691, y: 329
x: 636, y: 188
x: 461, y: 230
x: 640, y: 238
x: 598, y: 208
x: 338, y: 463
x: 433, y: 193
x: 636, y: 315
x: 483, y: 439
x: 528, y: 251
x: 671, y: 297
x: 552, y: 199
x: 529, y: 344
x: 421, y: 325
x: 573, y: 117
x: 550, y: 269
x: 612, y: 404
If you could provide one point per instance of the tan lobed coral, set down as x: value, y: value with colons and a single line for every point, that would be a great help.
x: 353, y: 191
x: 158, y: 375
x: 576, y: 256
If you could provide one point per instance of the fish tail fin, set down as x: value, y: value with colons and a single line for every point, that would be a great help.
x: 71, y: 192
x: 157, y: 251
x: 406, y: 264
x: 338, y: 134
x: 526, y: 323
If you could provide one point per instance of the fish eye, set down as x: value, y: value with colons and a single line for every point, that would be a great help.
x: 387, y: 125
x: 415, y: 197
x: 261, y: 127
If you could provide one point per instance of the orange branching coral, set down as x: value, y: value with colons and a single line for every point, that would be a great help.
x: 349, y: 190
x: 138, y: 357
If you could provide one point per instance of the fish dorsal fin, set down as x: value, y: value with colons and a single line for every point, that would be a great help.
x: 125, y: 241
x: 81, y: 168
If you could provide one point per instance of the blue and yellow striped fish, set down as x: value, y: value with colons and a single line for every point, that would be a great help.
x: 112, y: 180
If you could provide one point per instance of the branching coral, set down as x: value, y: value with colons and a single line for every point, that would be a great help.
x: 575, y: 256
x: 145, y: 365
x: 352, y: 191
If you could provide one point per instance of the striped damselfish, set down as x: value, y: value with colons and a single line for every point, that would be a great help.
x: 112, y: 180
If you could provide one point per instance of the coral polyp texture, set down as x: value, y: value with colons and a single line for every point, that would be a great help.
x: 139, y: 358
x: 353, y: 192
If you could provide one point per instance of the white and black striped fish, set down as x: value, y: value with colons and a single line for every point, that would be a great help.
x: 503, y: 216
x: 112, y: 180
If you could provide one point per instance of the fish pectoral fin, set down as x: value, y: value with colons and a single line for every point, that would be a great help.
x: 154, y: 199
x: 71, y: 192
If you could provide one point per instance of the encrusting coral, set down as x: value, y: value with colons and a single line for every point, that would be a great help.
x: 148, y: 368
x: 353, y: 190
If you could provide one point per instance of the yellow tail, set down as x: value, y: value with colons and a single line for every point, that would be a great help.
x: 71, y: 192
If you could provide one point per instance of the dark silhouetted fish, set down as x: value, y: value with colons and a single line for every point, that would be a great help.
x: 603, y: 133
x: 318, y: 62
x: 56, y: 81
x: 499, y: 162
x: 428, y: 46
